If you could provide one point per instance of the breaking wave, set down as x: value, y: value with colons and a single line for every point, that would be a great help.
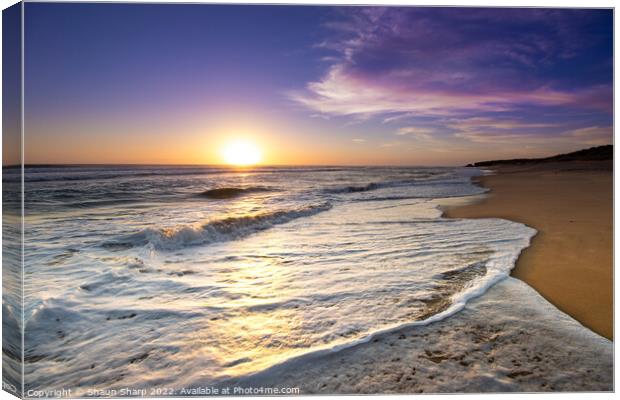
x: 429, y: 181
x: 221, y: 230
x: 355, y: 189
x: 231, y: 192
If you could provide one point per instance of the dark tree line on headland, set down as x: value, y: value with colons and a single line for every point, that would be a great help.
x: 599, y: 153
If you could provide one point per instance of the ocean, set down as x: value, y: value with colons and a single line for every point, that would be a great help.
x: 164, y: 276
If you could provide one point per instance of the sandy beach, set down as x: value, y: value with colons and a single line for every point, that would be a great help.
x: 570, y: 259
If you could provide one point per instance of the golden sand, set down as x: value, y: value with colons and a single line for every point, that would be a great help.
x: 570, y: 260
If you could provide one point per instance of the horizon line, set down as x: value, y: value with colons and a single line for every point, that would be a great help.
x: 48, y: 165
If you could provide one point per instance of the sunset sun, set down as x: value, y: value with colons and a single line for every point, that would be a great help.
x: 241, y: 153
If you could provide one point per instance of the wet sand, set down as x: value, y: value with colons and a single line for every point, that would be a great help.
x: 570, y: 260
x: 508, y: 340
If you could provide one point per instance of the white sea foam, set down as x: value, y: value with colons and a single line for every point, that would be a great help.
x: 218, y: 230
x: 510, y: 339
x: 195, y: 290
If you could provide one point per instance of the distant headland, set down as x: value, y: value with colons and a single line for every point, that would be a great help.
x: 598, y: 153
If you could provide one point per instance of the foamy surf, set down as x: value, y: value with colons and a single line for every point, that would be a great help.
x: 231, y: 288
x: 509, y: 340
x: 219, y: 230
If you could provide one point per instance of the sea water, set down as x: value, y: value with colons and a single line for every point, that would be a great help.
x: 141, y: 277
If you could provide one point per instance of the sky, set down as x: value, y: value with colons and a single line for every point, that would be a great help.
x: 172, y: 84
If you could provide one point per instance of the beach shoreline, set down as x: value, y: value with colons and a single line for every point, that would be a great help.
x: 510, y: 339
x: 570, y: 260
x: 527, y: 333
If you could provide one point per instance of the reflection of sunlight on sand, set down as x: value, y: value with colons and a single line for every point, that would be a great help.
x: 199, y: 289
x: 264, y: 316
x: 263, y: 335
x: 511, y: 339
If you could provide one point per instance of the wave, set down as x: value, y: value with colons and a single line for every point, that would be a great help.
x: 33, y: 177
x: 456, y: 288
x: 231, y: 192
x: 354, y: 189
x: 411, y: 197
x: 83, y: 173
x: 430, y: 180
x: 532, y: 321
x: 221, y: 230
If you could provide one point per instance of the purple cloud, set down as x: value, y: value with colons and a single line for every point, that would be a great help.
x: 499, y: 69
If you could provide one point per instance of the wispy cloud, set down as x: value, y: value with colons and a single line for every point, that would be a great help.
x: 341, y: 93
x: 414, y: 131
x: 477, y: 123
x: 589, y: 136
x: 478, y: 75
x: 593, y: 135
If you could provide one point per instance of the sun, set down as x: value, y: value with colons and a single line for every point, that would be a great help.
x: 241, y: 152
